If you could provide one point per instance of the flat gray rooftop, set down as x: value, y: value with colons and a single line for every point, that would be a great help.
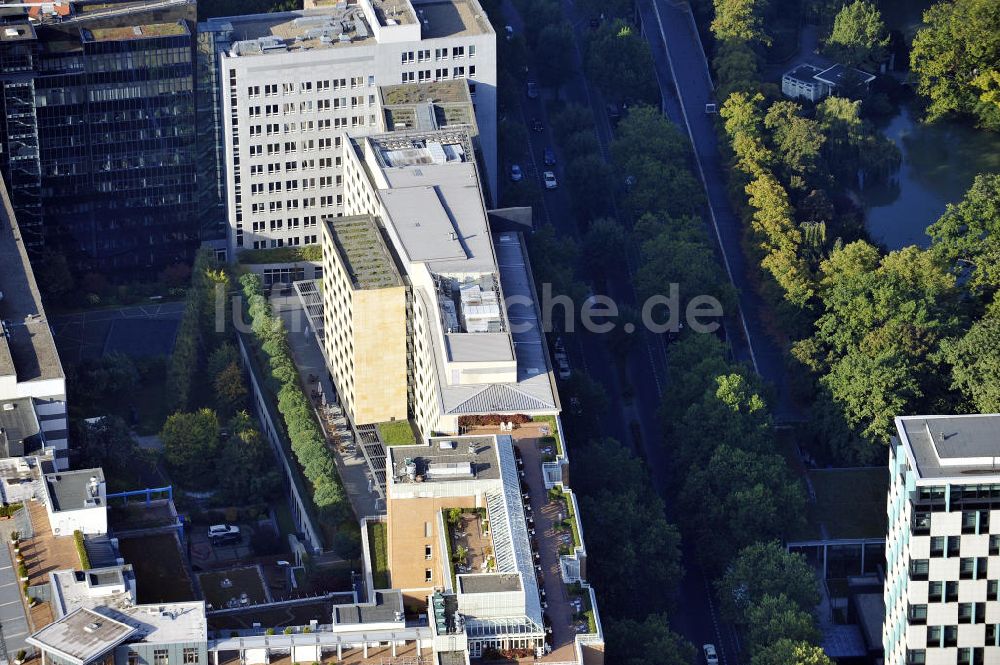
x: 82, y: 636
x: 363, y: 252
x: 489, y: 583
x: 804, y: 73
x: 19, y: 428
x: 942, y: 446
x: 387, y: 605
x: 451, y: 18
x: 447, y: 458
x: 68, y: 489
x: 437, y: 208
x: 478, y: 347
x: 305, y: 30
x: 838, y: 73
x: 29, y: 350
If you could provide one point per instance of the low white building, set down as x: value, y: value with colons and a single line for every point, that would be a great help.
x: 76, y: 501
x: 807, y: 81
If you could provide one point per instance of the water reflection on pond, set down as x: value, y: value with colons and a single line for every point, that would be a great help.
x: 939, y: 164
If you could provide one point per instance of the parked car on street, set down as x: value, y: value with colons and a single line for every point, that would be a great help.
x: 515, y: 173
x: 711, y: 657
x: 549, y: 178
x: 537, y: 125
x: 550, y: 157
x: 532, y: 90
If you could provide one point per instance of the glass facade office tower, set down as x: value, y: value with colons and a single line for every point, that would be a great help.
x: 99, y: 134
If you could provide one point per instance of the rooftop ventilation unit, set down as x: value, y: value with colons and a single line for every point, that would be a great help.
x: 448, y: 470
x: 446, y: 445
x: 91, y: 627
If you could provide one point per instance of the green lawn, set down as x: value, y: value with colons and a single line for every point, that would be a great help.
x: 397, y: 433
x: 379, y: 554
x: 850, y: 503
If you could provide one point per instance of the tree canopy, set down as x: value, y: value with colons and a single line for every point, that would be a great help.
x: 626, y: 528
x: 956, y: 59
x: 190, y: 441
x: 967, y: 236
x: 620, y: 62
x: 789, y: 652
x: 737, y: 498
x: 740, y: 20
x: 646, y: 642
x: 975, y: 361
x: 875, y: 342
x: 775, y: 618
x: 765, y: 568
x: 859, y: 36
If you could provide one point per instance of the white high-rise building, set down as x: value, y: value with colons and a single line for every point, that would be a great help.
x: 294, y: 84
x: 943, y: 545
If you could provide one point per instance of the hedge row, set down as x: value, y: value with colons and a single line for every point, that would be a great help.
x: 306, y: 438
x: 81, y: 549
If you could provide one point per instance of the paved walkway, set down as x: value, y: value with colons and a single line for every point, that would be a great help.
x: 310, y: 362
x: 545, y: 514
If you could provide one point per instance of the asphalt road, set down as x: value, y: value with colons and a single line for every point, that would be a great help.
x: 634, y: 395
x: 680, y: 60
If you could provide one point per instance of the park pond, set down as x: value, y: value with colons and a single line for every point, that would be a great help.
x: 939, y: 163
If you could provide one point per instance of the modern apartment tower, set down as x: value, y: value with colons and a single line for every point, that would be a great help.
x: 295, y: 84
x: 943, y: 546
x: 98, y: 131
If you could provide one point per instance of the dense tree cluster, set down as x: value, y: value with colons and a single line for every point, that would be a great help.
x: 884, y: 334
x: 236, y: 462
x: 956, y: 58
x: 734, y: 488
x: 787, y: 162
x: 619, y: 61
x: 202, y: 327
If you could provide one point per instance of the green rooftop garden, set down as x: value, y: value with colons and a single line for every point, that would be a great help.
x: 281, y: 255
x: 557, y: 494
x: 555, y: 436
x: 586, y: 613
x: 130, y: 32
x: 378, y: 553
x: 396, y: 433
